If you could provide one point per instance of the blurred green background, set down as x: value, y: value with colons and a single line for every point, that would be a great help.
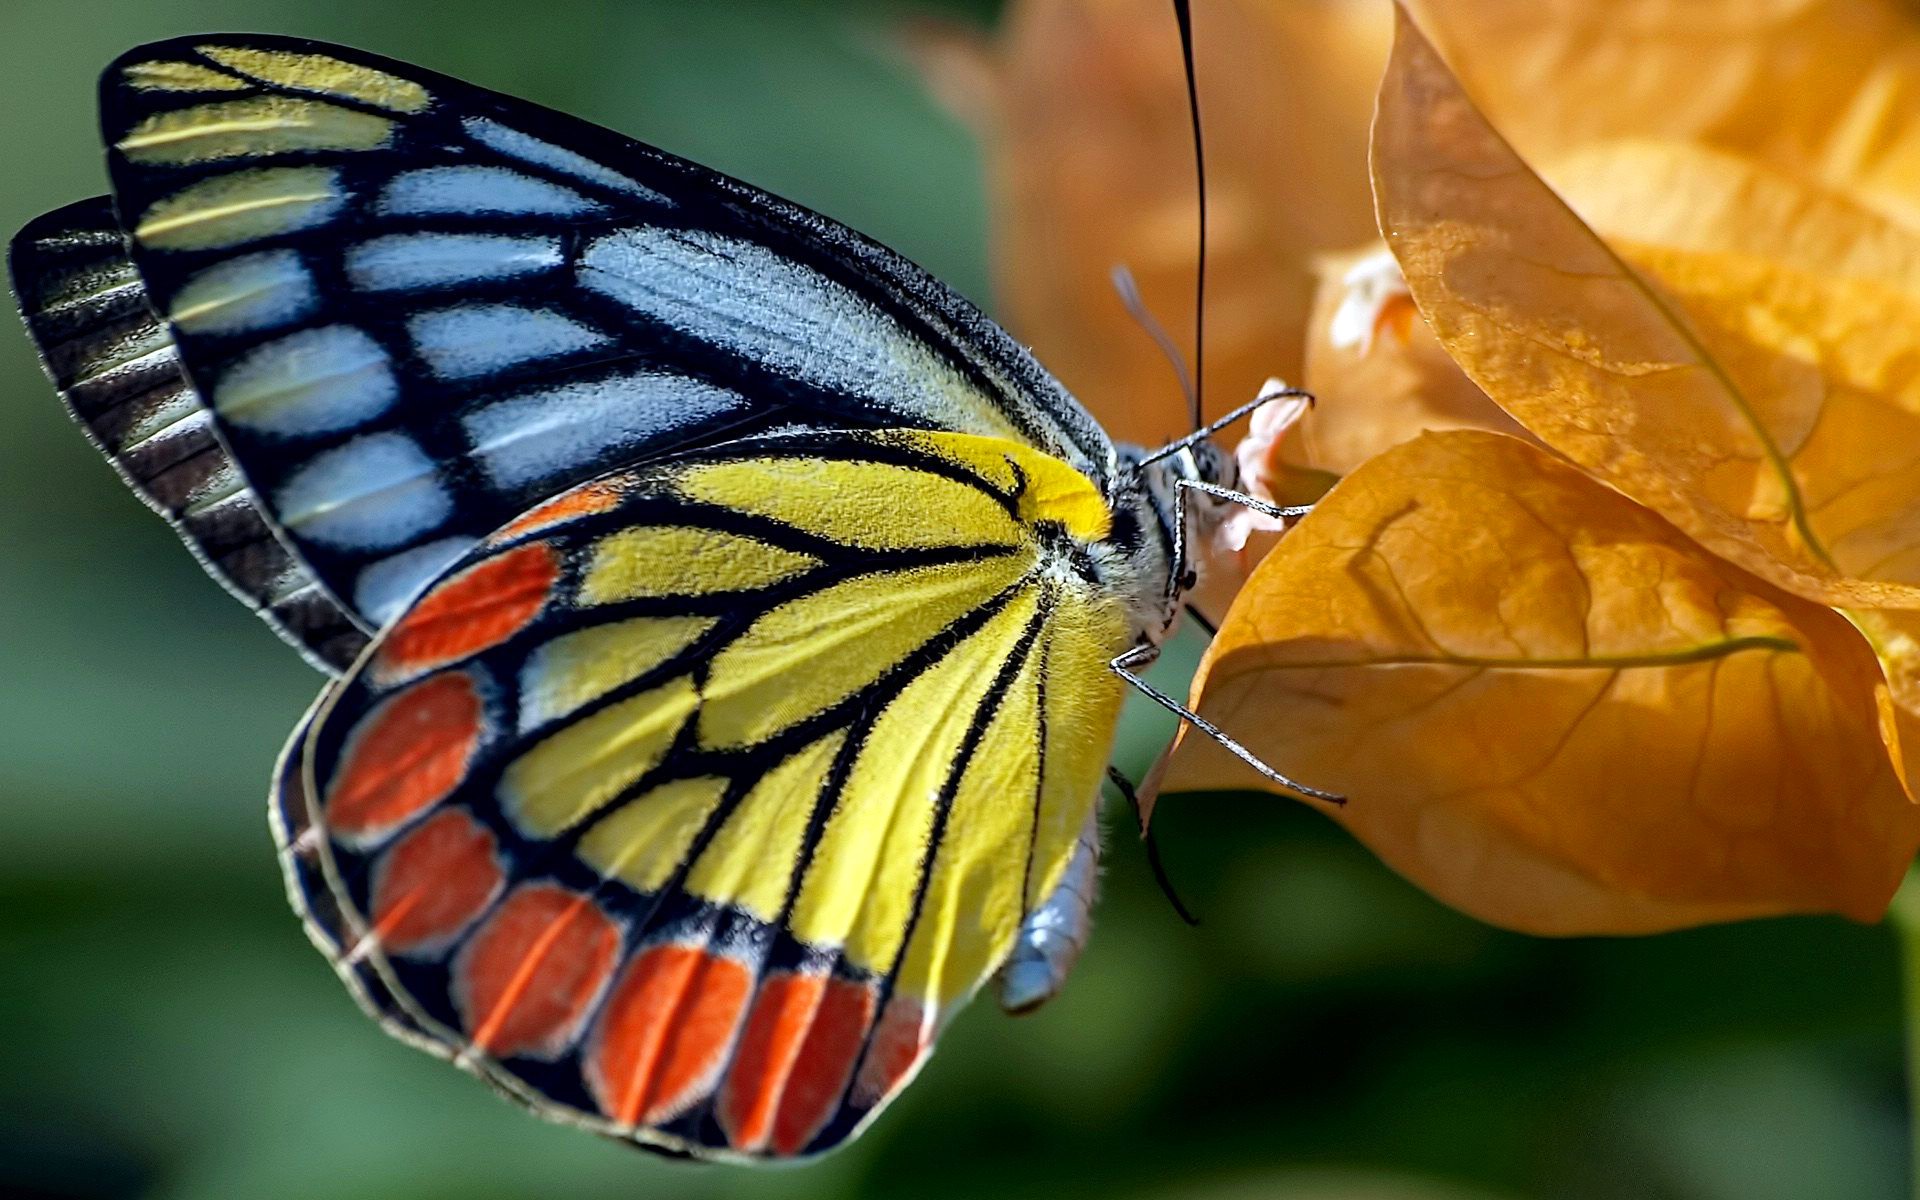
x: 1327, y: 1034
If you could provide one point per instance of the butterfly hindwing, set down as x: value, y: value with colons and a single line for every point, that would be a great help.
x: 692, y: 803
x: 115, y: 364
x: 415, y: 308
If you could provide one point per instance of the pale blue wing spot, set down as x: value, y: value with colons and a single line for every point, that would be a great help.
x: 767, y: 307
x: 374, y: 492
x: 405, y: 261
x: 385, y: 587
x: 246, y: 294
x: 481, y: 339
x: 527, y: 148
x: 441, y: 191
x: 314, y: 381
x: 543, y: 435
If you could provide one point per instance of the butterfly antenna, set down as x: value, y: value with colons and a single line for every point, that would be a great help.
x: 1153, y: 847
x: 1183, y: 14
x: 1206, y: 431
x: 1136, y: 306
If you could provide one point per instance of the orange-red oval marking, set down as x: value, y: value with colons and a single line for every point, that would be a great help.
x: 665, y: 1032
x: 404, y: 756
x: 528, y: 977
x: 583, y: 501
x: 794, y: 1061
x: 433, y: 882
x: 479, y: 608
x: 899, y: 1042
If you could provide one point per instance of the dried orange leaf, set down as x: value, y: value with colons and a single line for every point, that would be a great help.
x: 1691, y: 197
x: 1091, y: 165
x: 1375, y: 396
x: 1716, y: 412
x: 1552, y: 709
x: 1895, y: 638
x: 1827, y: 89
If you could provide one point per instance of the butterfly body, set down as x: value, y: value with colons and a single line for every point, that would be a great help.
x: 722, y: 612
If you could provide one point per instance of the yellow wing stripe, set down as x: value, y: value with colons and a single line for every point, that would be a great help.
x: 1049, y: 490
x: 815, y: 651
x: 577, y: 668
x: 246, y: 206
x: 646, y: 839
x: 749, y: 861
x: 583, y: 767
x: 654, y: 561
x: 836, y: 499
x: 863, y: 878
x: 975, y: 898
x: 1082, y: 711
x: 323, y: 73
x: 181, y: 77
x: 257, y: 125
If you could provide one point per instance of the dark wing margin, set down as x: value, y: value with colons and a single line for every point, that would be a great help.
x: 116, y: 367
x: 416, y: 308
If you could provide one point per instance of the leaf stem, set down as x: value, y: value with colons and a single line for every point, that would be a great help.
x: 1904, y: 915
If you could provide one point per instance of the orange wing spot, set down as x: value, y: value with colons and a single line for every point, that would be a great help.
x: 826, y: 1060
x: 405, y: 755
x: 899, y: 1043
x: 479, y: 608
x: 529, y: 975
x: 793, y: 1061
x: 583, y: 501
x: 434, y: 882
x: 665, y: 1032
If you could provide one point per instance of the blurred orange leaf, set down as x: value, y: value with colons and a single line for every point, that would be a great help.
x: 1091, y: 165
x: 1772, y: 414
x: 1826, y: 89
x: 1552, y: 709
x: 1691, y: 197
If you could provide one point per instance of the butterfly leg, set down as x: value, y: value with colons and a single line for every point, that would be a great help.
x: 1143, y: 655
x: 1291, y: 512
x: 1182, y: 578
x: 1132, y: 797
x: 1053, y: 934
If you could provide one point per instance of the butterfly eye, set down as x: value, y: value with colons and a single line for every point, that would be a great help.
x: 1212, y: 464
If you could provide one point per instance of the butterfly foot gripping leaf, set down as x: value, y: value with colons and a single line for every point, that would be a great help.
x: 725, y: 606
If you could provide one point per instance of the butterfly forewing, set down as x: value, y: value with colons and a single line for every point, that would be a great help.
x: 414, y: 308
x: 694, y: 802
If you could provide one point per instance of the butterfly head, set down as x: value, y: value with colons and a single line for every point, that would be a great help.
x: 1162, y: 495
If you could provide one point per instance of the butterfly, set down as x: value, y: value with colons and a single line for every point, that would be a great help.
x: 725, y: 622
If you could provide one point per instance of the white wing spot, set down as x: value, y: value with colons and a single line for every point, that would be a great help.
x: 480, y: 339
x: 374, y: 492
x: 428, y: 260
x: 313, y: 381
x: 540, y: 435
x: 439, y: 191
x: 530, y: 149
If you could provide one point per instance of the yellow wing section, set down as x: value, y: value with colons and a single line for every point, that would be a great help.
x: 694, y: 803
